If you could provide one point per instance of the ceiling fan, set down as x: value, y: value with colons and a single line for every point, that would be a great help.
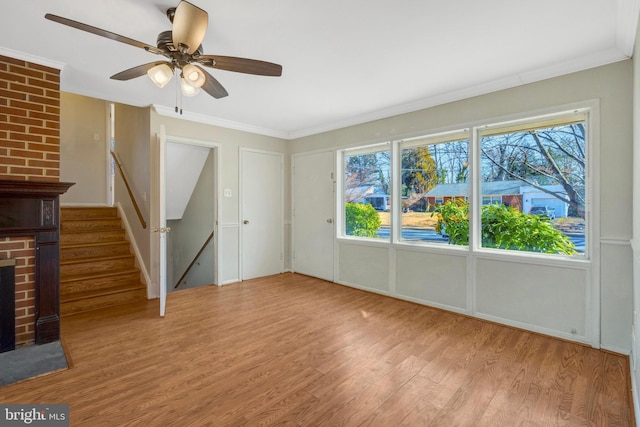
x: 183, y: 49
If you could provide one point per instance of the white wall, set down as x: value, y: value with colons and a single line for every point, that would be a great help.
x: 132, y: 147
x: 505, y: 288
x: 84, y: 143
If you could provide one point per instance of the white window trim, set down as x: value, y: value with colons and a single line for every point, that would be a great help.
x: 590, y: 110
x: 589, y: 107
x: 341, y: 232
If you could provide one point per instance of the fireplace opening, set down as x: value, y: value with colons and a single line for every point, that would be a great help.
x: 7, y: 305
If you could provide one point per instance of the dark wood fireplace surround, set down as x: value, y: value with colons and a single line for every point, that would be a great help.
x: 32, y: 208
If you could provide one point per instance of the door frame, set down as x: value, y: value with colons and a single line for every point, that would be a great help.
x: 216, y: 194
x: 241, y: 183
x: 155, y: 208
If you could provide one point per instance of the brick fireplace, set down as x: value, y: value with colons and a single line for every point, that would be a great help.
x: 29, y: 154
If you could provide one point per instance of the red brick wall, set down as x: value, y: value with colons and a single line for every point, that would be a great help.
x: 29, y: 151
x: 29, y: 121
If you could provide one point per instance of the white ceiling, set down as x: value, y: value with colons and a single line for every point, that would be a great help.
x: 344, y: 62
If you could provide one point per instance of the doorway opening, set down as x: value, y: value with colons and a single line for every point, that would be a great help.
x: 190, y: 206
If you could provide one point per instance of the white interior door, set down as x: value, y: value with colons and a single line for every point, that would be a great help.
x: 161, y: 230
x: 261, y: 212
x: 313, y: 214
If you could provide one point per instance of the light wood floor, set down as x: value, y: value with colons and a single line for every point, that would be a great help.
x: 292, y: 350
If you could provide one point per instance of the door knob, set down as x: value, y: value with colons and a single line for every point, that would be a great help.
x: 330, y: 221
x: 246, y: 221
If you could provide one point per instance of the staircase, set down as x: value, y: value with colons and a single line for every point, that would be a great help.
x: 97, y: 268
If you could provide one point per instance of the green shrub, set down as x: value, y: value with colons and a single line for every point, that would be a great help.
x: 453, y: 220
x: 361, y: 220
x: 503, y: 228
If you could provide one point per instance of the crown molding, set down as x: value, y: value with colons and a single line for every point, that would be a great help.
x: 31, y: 58
x: 627, y: 25
x: 229, y: 124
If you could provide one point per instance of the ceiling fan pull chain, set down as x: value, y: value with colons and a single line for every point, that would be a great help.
x: 176, y: 86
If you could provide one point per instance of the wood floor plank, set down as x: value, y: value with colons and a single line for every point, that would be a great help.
x: 291, y: 350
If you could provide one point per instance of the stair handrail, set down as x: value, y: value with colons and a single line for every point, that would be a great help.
x: 126, y: 184
x: 194, y: 260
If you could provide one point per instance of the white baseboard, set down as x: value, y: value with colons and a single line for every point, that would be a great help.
x: 615, y: 349
x: 136, y: 251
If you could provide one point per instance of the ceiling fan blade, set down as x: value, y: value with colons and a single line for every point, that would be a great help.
x: 189, y: 26
x: 241, y: 65
x: 103, y: 33
x: 213, y: 87
x: 138, y: 71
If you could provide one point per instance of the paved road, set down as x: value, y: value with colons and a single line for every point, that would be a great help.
x: 413, y: 234
x: 431, y: 236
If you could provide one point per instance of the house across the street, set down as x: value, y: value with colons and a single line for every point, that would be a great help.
x: 369, y: 194
x: 514, y: 193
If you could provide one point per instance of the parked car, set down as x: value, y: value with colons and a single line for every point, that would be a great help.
x: 545, y: 211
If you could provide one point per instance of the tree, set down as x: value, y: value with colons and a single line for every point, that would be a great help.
x: 503, y: 228
x: 361, y: 220
x: 371, y: 168
x: 419, y: 169
x: 540, y: 157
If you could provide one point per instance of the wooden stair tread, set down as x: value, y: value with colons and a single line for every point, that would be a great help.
x: 84, y: 276
x: 108, y: 230
x: 68, y: 213
x: 80, y: 260
x: 100, y: 292
x: 92, y: 244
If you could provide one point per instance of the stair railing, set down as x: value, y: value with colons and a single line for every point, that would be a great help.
x: 194, y: 260
x: 126, y: 184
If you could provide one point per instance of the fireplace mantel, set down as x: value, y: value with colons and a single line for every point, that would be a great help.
x: 32, y: 208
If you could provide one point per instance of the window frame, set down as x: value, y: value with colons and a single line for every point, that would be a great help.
x: 589, y: 109
x: 341, y: 191
x: 536, y: 121
x: 450, y: 136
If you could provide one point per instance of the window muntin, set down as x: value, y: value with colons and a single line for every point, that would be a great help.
x: 367, y: 192
x: 539, y: 170
x: 434, y: 172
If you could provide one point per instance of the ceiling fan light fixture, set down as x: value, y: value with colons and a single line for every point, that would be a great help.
x: 193, y: 75
x: 160, y: 75
x: 188, y: 89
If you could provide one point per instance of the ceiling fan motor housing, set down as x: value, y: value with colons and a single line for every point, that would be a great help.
x: 165, y: 42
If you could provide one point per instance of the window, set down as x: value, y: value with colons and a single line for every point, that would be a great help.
x: 517, y: 186
x: 367, y: 198
x: 491, y: 200
x: 434, y: 171
x: 538, y: 167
